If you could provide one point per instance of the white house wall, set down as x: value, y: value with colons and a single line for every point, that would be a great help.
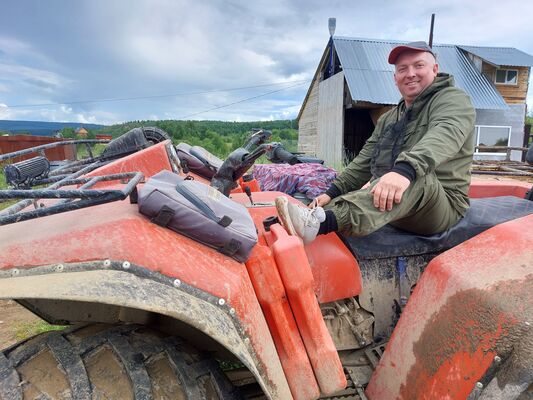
x: 331, y: 120
x: 513, y: 117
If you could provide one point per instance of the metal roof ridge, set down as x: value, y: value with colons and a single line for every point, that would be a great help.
x: 389, y: 41
x: 462, y: 46
x: 489, y: 47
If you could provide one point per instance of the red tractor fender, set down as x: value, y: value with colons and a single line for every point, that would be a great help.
x: 113, y: 256
x: 93, y: 243
x: 491, y: 188
x: 471, y: 308
x: 116, y: 234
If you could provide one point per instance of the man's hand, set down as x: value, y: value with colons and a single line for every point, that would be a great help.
x: 320, y: 201
x: 389, y: 189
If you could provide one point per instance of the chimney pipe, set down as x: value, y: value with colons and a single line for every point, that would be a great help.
x: 431, y: 30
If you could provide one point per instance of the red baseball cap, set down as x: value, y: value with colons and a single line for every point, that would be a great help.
x: 413, y: 46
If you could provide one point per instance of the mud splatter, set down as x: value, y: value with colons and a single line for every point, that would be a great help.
x: 487, y: 322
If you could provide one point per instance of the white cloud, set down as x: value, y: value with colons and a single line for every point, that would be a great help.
x: 102, y: 49
x: 14, y: 47
x: 41, y: 79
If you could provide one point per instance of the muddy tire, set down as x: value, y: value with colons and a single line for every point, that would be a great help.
x: 154, y: 134
x: 109, y: 362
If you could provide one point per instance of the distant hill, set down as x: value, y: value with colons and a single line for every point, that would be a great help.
x: 41, y: 128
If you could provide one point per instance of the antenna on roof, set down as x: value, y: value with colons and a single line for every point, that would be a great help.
x: 431, y: 30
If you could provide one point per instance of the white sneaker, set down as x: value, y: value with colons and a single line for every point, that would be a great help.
x: 298, y: 220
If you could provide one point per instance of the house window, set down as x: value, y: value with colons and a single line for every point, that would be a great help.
x: 507, y: 76
x: 492, y: 136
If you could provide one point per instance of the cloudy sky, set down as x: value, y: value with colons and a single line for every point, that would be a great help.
x: 236, y: 60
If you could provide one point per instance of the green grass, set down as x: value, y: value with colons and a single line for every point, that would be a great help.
x: 26, y: 330
x: 226, y: 365
x: 3, y: 185
x: 82, y: 152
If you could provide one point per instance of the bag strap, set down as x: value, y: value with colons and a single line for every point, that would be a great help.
x: 200, y: 205
x: 164, y: 216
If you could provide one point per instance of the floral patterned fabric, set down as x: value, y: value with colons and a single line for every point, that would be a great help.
x: 309, y: 179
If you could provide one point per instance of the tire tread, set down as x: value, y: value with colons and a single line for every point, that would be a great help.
x: 133, y: 346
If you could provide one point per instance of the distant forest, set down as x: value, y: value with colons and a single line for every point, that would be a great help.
x: 218, y: 137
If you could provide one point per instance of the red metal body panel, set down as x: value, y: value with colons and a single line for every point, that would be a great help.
x: 253, y: 185
x: 149, y: 161
x: 472, y: 303
x: 335, y: 271
x: 117, y: 231
x: 492, y: 188
x: 273, y: 299
x: 298, y: 281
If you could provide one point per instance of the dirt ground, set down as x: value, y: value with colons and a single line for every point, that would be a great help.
x: 13, y: 316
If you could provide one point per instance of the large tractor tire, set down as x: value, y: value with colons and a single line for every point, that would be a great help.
x: 154, y: 134
x: 109, y: 362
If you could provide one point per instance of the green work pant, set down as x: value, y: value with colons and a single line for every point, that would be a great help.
x: 425, y: 209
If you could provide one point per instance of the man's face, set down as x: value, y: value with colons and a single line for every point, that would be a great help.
x: 414, y: 71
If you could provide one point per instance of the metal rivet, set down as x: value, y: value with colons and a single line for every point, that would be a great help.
x: 126, y: 264
x: 221, y: 302
x: 497, y: 359
x: 479, y: 385
x: 177, y: 282
x: 59, y: 267
x: 107, y: 263
x: 15, y: 272
x: 232, y: 311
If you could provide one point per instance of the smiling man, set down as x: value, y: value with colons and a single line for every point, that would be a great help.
x: 417, y: 161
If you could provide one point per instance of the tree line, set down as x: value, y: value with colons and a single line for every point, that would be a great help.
x: 218, y: 137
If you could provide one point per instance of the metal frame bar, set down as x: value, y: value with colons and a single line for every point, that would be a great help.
x: 87, y: 197
x: 25, y: 203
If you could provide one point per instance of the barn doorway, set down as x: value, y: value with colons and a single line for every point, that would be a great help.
x: 358, y: 127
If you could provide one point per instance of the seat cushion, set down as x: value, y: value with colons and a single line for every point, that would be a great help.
x: 482, y: 215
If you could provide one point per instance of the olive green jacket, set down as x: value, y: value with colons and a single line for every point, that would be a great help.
x: 440, y: 139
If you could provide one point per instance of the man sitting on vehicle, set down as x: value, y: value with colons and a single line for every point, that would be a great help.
x: 417, y: 161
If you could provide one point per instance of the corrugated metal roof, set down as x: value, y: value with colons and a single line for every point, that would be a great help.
x: 501, y: 55
x: 370, y: 76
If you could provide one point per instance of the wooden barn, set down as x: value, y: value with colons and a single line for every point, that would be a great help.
x: 353, y: 85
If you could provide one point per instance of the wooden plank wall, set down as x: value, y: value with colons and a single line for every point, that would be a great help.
x: 512, y: 94
x: 331, y: 120
x: 307, y: 125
